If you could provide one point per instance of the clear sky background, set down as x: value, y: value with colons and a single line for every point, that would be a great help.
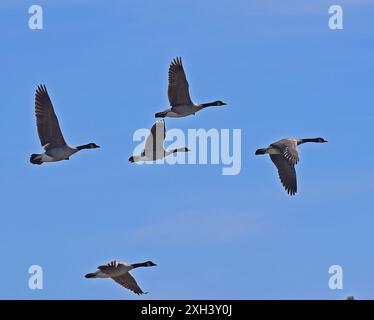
x: 283, y: 73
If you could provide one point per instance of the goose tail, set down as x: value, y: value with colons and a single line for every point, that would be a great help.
x: 36, y: 159
x: 90, y: 275
x: 261, y: 151
x: 161, y: 114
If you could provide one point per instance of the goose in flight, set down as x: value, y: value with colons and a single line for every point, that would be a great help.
x: 285, y: 156
x: 50, y: 135
x: 154, y: 145
x: 179, y: 96
x: 119, y: 272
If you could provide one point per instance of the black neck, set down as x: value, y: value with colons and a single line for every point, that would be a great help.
x: 137, y: 265
x: 308, y: 140
x: 209, y: 104
x: 84, y: 146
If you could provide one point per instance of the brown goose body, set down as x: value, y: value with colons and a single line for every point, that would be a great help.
x: 284, y: 154
x: 119, y: 272
x: 179, y: 95
x: 50, y: 134
x: 154, y: 145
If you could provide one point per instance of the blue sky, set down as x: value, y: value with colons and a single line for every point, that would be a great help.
x: 283, y: 73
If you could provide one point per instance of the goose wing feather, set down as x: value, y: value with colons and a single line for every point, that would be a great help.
x: 127, y: 281
x: 111, y: 266
x: 286, y: 172
x: 49, y: 131
x: 154, y: 145
x: 178, y: 89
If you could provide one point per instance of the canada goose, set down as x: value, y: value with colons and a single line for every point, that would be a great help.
x: 119, y: 272
x: 154, y: 145
x: 50, y: 135
x: 179, y: 96
x: 285, y: 156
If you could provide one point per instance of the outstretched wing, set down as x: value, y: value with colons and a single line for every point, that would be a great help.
x: 49, y: 131
x: 110, y: 267
x: 154, y: 145
x: 287, y: 173
x: 127, y: 280
x: 178, y: 92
